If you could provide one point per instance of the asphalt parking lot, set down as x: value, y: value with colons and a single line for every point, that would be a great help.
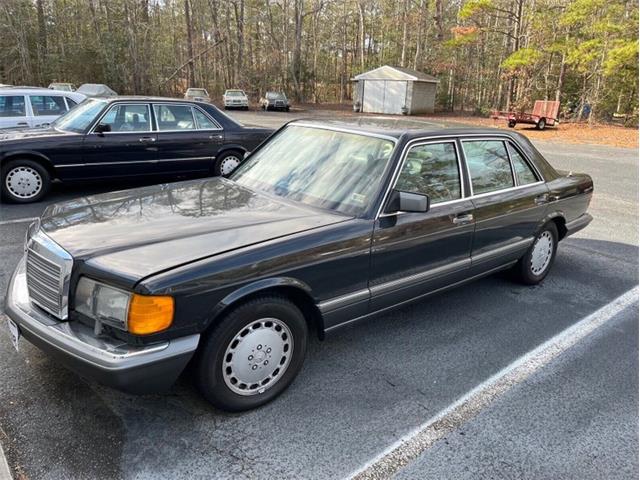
x: 369, y: 385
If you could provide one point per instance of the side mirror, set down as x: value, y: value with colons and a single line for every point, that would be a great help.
x: 407, y: 202
x: 102, y: 128
x: 246, y: 154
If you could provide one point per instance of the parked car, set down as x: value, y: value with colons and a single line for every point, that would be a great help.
x: 197, y: 95
x: 274, y: 101
x: 63, y: 87
x: 96, y: 90
x: 235, y: 99
x: 34, y: 107
x: 322, y: 225
x: 124, y: 137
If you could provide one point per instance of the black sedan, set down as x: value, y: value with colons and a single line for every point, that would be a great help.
x: 124, y: 137
x: 322, y: 225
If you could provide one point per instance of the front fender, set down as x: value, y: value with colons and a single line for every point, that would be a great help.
x: 256, y: 287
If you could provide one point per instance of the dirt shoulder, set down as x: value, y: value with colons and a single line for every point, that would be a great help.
x: 577, y: 133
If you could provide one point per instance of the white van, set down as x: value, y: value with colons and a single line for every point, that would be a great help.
x: 34, y: 107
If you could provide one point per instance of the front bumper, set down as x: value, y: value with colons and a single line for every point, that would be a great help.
x: 135, y: 369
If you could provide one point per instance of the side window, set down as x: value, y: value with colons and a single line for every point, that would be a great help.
x: 431, y: 169
x: 128, y: 118
x: 47, y: 105
x: 524, y: 173
x: 174, y: 117
x: 12, y: 106
x: 488, y: 164
x: 204, y: 123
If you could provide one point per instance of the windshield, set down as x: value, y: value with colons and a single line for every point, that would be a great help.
x: 235, y: 93
x: 275, y: 96
x: 322, y: 168
x: 79, y: 118
x: 197, y: 91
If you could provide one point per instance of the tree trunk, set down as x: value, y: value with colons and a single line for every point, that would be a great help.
x: 191, y: 73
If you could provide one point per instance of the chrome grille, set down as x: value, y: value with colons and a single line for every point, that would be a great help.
x: 48, y: 272
x: 44, y: 280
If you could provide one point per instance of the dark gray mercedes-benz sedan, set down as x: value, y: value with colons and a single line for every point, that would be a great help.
x: 323, y: 225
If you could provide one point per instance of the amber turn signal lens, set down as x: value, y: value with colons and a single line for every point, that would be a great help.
x: 149, y: 314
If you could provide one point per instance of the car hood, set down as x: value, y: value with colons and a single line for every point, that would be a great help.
x: 132, y: 234
x: 31, y: 133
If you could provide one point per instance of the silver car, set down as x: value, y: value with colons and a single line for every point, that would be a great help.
x: 34, y: 107
x: 197, y: 95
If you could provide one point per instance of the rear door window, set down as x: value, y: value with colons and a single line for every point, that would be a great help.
x: 488, y: 164
x: 12, y: 106
x: 174, y: 117
x: 203, y: 122
x: 43, y: 105
x: 523, y: 171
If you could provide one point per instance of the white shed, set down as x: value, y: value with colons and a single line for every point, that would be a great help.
x: 395, y: 90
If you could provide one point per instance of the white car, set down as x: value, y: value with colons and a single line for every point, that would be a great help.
x: 64, y: 87
x: 34, y: 107
x: 235, y: 99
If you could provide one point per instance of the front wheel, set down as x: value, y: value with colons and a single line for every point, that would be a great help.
x: 534, y: 266
x: 253, y: 354
x: 227, y: 162
x: 24, y: 181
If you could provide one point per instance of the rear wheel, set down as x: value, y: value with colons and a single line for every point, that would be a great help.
x: 541, y: 124
x: 534, y: 266
x: 24, y: 181
x: 227, y: 162
x: 253, y: 354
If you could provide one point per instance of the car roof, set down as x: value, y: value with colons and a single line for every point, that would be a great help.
x: 27, y: 90
x: 146, y: 98
x: 398, y: 127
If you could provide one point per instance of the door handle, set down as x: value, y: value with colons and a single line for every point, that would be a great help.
x: 216, y: 137
x: 462, y: 219
x: 147, y: 139
x: 542, y: 199
x: 23, y: 124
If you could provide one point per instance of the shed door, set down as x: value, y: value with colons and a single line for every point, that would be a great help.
x: 394, y: 96
x: 373, y: 98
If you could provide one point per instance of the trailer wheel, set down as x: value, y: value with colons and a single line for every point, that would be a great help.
x: 541, y: 124
x: 512, y: 123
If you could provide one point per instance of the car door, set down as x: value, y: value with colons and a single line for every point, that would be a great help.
x: 13, y: 111
x: 509, y: 198
x: 46, y: 108
x: 414, y: 253
x: 127, y: 149
x: 188, y: 139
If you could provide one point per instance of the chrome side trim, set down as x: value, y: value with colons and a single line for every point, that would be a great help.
x: 125, y: 162
x: 424, y: 295
x: 504, y: 250
x: 344, y: 300
x: 346, y: 130
x: 420, y: 277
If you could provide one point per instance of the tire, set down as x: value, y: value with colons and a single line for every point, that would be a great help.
x: 534, y: 266
x: 277, y: 333
x: 24, y: 181
x: 286, y: 109
x: 512, y: 123
x: 541, y: 124
x: 226, y: 160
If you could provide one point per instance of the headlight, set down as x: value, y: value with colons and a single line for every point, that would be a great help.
x: 139, y: 314
x: 101, y: 302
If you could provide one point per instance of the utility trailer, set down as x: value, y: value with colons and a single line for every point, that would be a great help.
x: 545, y: 114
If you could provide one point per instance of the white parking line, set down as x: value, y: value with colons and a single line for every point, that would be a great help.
x: 409, y: 447
x: 18, y: 220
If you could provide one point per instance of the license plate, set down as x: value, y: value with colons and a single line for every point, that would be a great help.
x: 14, y: 330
